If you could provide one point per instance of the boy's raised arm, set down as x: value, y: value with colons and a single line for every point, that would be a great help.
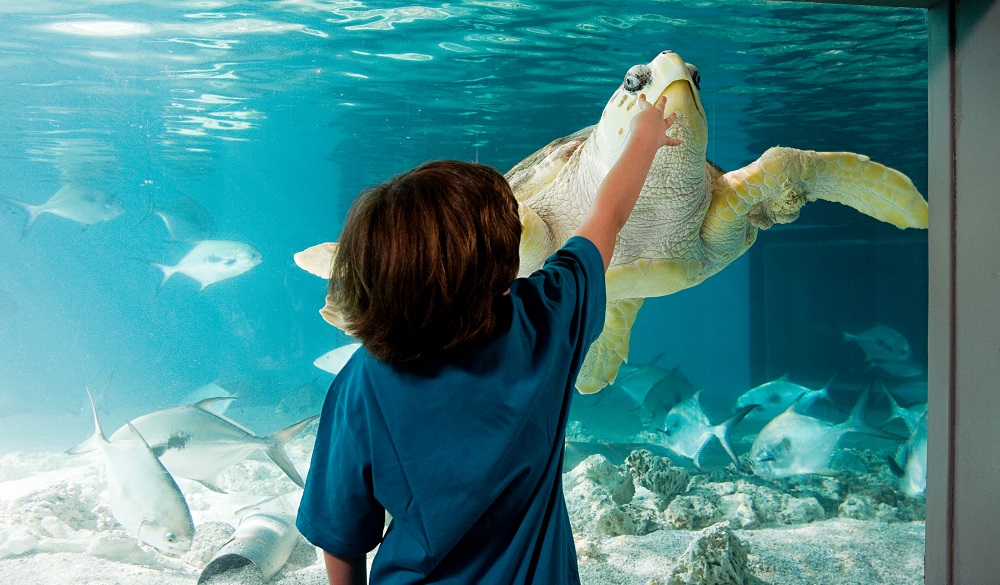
x: 620, y: 189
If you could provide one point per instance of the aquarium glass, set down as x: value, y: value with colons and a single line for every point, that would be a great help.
x: 162, y: 162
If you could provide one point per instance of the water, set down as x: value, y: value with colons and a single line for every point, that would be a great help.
x: 273, y: 115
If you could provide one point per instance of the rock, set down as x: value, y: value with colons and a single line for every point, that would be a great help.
x: 715, y: 557
x: 598, y: 470
x: 658, y: 475
x: 801, y: 511
x: 738, y: 510
x: 596, y: 493
x: 690, y: 512
x: 858, y: 507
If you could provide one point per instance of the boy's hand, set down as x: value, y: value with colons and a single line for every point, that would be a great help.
x: 649, y: 125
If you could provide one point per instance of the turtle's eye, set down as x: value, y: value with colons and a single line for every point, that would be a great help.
x: 637, y: 78
x: 695, y: 76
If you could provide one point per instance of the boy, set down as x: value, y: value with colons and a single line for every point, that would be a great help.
x: 452, y: 415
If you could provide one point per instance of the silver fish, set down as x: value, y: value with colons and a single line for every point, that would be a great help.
x: 688, y: 429
x: 911, y: 461
x: 186, y: 220
x: 881, y: 343
x: 196, y: 443
x: 265, y: 537
x: 212, y: 261
x: 774, y: 397
x: 79, y: 203
x: 335, y: 359
x: 144, y: 498
x: 795, y: 444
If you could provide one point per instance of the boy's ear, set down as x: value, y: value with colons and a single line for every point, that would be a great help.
x: 318, y: 260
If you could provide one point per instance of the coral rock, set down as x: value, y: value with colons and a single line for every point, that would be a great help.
x: 715, y: 557
x: 658, y: 475
x: 596, y: 493
x: 801, y: 511
x: 690, y: 512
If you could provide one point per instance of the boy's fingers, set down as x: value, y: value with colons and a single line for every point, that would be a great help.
x: 670, y: 119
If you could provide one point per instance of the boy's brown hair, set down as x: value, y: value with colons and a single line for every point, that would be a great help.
x: 424, y: 258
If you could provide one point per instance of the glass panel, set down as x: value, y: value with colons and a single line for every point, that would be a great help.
x: 133, y: 133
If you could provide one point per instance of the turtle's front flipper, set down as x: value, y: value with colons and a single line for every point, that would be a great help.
x: 607, y: 353
x: 775, y: 187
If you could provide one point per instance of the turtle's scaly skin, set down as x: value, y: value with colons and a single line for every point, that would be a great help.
x: 691, y: 219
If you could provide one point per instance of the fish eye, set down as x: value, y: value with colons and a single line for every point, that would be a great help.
x: 169, y: 537
x: 637, y: 78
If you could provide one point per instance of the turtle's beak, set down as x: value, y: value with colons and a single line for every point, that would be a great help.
x: 683, y: 91
x: 682, y: 97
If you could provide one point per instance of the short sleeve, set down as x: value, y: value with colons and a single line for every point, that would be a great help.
x: 574, y: 289
x: 338, y: 512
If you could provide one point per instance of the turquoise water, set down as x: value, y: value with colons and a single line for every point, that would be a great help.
x: 273, y: 115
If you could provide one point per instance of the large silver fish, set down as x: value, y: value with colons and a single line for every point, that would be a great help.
x: 911, y: 461
x: 795, y: 443
x: 688, y: 429
x: 79, y: 203
x: 196, y: 443
x: 881, y: 343
x: 186, y: 220
x: 211, y: 261
x: 144, y: 498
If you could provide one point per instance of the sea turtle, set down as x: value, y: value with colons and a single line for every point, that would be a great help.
x: 692, y: 218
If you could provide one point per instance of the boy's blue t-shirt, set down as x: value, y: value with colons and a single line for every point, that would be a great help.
x: 465, y: 452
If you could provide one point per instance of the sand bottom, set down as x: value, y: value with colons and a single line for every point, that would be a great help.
x: 829, y: 552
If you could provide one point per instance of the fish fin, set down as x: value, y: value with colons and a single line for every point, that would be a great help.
x: 894, y: 466
x: 857, y: 422
x: 211, y: 486
x: 86, y: 446
x: 276, y: 448
x: 724, y: 430
x: 94, y: 440
x: 136, y: 435
x: 168, y: 271
x: 98, y: 432
x: 206, y: 403
x: 795, y: 403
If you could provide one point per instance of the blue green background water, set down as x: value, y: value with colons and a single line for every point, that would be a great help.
x: 273, y: 115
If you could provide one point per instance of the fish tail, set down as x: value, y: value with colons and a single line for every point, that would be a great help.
x: 858, y: 420
x: 724, y: 431
x: 98, y: 436
x: 168, y: 271
x: 33, y: 212
x: 276, y: 449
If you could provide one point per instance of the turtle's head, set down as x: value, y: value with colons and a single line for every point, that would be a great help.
x: 667, y: 75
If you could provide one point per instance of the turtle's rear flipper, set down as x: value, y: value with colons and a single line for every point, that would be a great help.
x: 607, y: 353
x: 775, y: 187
